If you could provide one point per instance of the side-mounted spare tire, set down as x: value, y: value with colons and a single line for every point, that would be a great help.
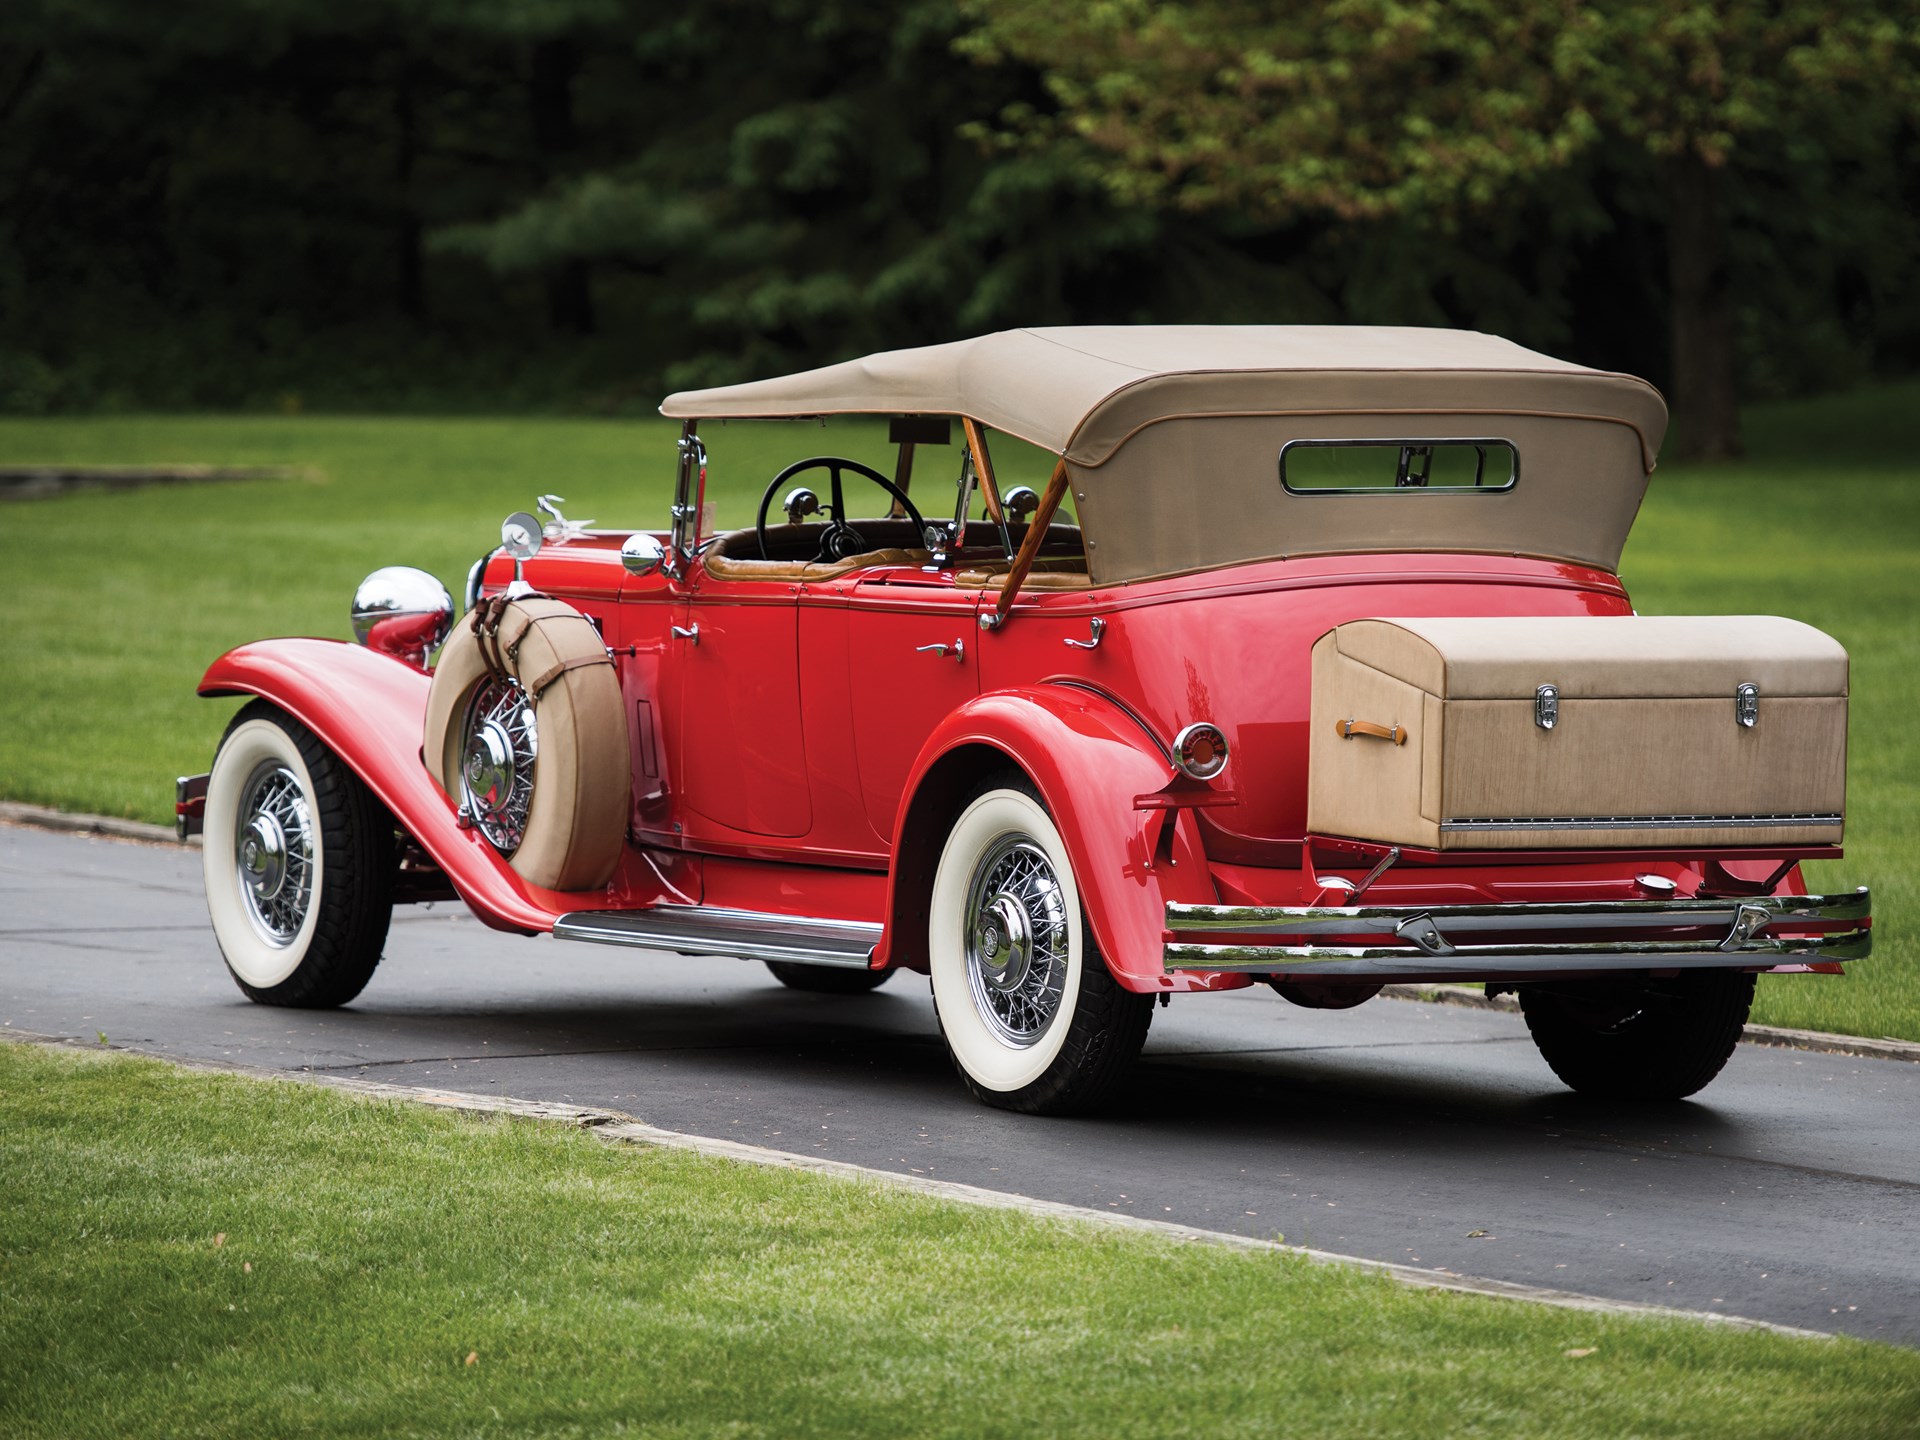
x: 526, y: 729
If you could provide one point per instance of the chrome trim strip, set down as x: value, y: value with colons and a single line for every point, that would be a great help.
x: 747, y: 934
x: 1733, y: 929
x: 1637, y: 822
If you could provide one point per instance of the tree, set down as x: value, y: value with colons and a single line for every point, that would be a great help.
x: 792, y: 185
x: 1433, y: 109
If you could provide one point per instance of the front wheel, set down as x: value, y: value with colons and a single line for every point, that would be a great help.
x: 1031, y: 1017
x: 299, y: 861
x: 1639, y: 1039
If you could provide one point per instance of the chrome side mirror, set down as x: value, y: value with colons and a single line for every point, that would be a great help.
x: 520, y: 535
x: 642, y: 554
x: 1020, y: 503
x: 402, y: 612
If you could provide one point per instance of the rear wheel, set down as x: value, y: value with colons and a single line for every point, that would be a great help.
x: 828, y: 979
x: 1639, y: 1039
x: 298, y: 857
x: 1031, y: 1017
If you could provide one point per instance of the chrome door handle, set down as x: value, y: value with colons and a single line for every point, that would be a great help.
x: 1099, y: 628
x: 688, y: 632
x: 957, y: 649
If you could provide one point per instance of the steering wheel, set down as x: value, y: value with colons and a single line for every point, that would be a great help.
x: 838, y: 539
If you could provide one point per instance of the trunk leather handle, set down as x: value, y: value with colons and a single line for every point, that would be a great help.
x: 1348, y: 729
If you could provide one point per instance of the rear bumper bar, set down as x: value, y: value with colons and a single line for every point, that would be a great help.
x: 189, y: 805
x: 1490, y: 942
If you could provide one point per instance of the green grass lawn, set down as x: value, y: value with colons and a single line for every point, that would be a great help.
x: 187, y: 1255
x: 118, y: 601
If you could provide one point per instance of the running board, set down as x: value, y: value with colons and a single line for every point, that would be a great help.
x: 748, y: 934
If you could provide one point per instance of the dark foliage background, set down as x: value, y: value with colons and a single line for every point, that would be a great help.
x: 577, y: 204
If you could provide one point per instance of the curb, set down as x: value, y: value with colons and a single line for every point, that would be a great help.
x: 41, y: 817
x: 108, y: 827
x: 615, y: 1127
x: 1778, y: 1036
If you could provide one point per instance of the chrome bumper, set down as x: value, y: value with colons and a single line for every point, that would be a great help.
x: 1466, y: 940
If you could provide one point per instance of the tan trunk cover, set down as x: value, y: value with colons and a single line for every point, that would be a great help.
x: 1646, y: 748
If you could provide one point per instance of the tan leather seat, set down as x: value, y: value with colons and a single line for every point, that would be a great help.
x: 727, y: 567
x: 736, y: 554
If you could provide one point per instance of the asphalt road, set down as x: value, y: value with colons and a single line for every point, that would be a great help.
x: 1424, y: 1134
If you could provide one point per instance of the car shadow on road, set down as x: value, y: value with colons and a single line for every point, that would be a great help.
x: 1334, y: 1100
x: 883, y: 1048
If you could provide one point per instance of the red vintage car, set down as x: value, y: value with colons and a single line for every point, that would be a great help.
x: 1309, y: 665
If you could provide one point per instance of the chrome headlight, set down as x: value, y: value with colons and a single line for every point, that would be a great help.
x: 402, y: 612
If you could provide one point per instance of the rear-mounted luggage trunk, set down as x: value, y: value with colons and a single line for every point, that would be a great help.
x: 1560, y: 733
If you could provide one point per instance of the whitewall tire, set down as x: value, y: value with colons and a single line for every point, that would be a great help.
x: 298, y: 858
x: 1031, y: 1017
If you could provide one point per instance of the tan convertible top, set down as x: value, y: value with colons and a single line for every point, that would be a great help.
x: 1183, y: 425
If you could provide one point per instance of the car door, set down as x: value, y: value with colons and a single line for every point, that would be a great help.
x: 912, y: 661
x: 740, y: 754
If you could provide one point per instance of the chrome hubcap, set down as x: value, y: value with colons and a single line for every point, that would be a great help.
x: 496, y: 766
x: 1016, y: 941
x: 274, y: 853
x: 1003, y: 939
x: 263, y: 856
x: 490, y: 765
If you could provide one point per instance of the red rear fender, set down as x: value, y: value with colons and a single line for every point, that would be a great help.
x: 370, y: 710
x: 1089, y: 759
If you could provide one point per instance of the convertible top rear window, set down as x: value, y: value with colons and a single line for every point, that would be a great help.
x: 1360, y: 467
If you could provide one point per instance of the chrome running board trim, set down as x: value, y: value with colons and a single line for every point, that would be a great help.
x: 1600, y: 936
x: 1477, y: 824
x: 748, y: 934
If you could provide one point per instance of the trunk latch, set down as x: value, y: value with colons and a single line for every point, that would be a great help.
x: 1746, y: 704
x: 1546, y: 706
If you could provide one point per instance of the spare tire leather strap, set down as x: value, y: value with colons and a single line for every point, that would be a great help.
x: 506, y: 652
x: 486, y: 629
x: 534, y: 687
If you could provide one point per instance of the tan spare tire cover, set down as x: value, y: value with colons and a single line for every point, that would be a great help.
x: 582, y: 771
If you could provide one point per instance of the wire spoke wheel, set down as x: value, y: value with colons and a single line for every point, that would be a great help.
x: 1016, y: 940
x: 299, y: 862
x: 496, y: 767
x: 274, y: 847
x: 1031, y: 1015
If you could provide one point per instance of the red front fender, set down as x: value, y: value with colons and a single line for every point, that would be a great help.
x: 371, y: 710
x: 1089, y: 759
